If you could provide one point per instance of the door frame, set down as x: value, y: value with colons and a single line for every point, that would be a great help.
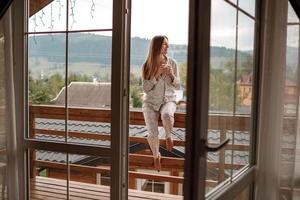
x: 119, y: 90
x: 197, y: 109
x: 197, y: 98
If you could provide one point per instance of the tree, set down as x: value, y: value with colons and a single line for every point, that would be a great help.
x: 223, y: 83
x: 183, y: 73
x: 135, y: 94
x: 220, y: 91
x: 43, y: 91
x: 135, y: 91
x: 79, y: 78
x: 38, y: 92
x: 56, y: 83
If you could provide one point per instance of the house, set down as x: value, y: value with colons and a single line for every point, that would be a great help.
x: 85, y: 94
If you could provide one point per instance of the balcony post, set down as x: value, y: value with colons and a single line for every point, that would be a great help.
x: 174, y: 186
x: 32, y: 153
x: 132, y: 181
x: 222, y: 156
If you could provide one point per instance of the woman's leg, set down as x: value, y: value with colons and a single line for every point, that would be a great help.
x: 167, y: 116
x: 151, y: 120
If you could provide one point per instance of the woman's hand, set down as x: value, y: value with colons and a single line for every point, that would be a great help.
x: 161, y: 70
x: 170, y: 72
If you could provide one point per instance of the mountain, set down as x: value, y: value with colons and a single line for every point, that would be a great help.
x: 48, y: 51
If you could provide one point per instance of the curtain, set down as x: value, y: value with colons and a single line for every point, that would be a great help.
x: 278, y: 165
x: 8, y: 137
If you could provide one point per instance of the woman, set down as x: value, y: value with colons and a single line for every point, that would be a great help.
x: 160, y: 79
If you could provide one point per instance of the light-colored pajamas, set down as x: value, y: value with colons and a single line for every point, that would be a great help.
x: 160, y: 99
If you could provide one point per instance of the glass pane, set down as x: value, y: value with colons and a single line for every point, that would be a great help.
x: 143, y: 175
x: 48, y: 174
x: 230, y: 93
x: 245, y: 64
x: 221, y: 91
x: 289, y: 163
x: 222, y: 52
x: 3, y: 126
x: 47, y: 15
x: 292, y: 16
x: 93, y: 14
x: 248, y: 6
x: 292, y: 53
x: 89, y: 177
x: 89, y: 88
x: 46, y: 79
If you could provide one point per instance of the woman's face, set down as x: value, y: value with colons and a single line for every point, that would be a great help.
x: 165, y: 46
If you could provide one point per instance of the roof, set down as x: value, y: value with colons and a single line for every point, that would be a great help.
x: 85, y: 94
x: 239, y: 157
x: 235, y: 157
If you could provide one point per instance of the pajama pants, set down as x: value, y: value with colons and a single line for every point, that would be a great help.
x: 166, y: 111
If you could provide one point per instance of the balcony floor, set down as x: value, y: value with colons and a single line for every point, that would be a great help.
x: 43, y: 188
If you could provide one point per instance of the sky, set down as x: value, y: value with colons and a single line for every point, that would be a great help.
x: 149, y: 18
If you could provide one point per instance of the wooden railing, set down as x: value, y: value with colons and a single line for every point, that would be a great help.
x: 221, y: 123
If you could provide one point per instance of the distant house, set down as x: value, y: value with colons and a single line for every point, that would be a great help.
x: 244, y: 85
x: 85, y: 94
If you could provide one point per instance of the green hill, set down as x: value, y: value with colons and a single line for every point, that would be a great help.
x: 91, y: 53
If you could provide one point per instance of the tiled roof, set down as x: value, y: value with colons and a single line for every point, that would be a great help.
x: 234, y: 157
x: 239, y: 157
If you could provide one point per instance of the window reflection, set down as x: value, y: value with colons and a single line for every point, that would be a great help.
x: 230, y: 92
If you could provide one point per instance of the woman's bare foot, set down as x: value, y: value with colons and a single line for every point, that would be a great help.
x: 157, y: 164
x: 169, y: 144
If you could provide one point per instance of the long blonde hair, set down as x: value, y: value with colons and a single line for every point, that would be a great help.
x: 152, y: 63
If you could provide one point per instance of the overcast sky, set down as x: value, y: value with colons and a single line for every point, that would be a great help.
x: 149, y: 18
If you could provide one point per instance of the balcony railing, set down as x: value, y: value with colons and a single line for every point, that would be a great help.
x: 142, y: 160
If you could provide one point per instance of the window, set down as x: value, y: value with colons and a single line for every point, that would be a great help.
x: 69, y: 70
x: 230, y: 94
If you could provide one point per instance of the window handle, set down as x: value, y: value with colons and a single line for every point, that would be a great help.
x: 217, y: 147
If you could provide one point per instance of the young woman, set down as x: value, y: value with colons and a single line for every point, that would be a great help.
x: 160, y: 79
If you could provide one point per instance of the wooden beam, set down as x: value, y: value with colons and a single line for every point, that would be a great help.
x: 37, y: 5
x: 96, y: 136
x: 93, y: 114
x: 221, y: 174
x: 53, y: 189
x: 157, y: 177
x: 216, y: 121
x: 174, y: 187
x: 229, y: 122
x: 32, y: 154
x: 105, y: 169
x: 100, y: 136
x: 105, y: 136
x: 132, y: 181
x: 167, y: 163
